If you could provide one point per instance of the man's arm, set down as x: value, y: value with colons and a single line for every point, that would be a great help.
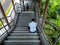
x: 36, y: 26
x: 29, y: 26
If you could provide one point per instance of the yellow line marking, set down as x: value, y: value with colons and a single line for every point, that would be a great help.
x: 8, y: 9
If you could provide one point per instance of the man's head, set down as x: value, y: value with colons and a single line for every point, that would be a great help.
x: 33, y: 19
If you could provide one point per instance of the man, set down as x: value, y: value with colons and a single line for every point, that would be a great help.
x: 27, y: 7
x: 32, y: 26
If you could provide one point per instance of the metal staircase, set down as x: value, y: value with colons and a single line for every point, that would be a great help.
x: 21, y: 35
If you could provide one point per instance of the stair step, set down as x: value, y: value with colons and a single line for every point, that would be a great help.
x: 20, y: 35
x: 21, y: 27
x: 23, y: 38
x: 22, y: 42
x: 20, y: 31
x: 23, y: 34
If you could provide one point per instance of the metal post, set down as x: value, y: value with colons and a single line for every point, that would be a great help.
x: 39, y: 7
x: 23, y: 4
x: 4, y: 15
x: 45, y: 11
x: 20, y: 2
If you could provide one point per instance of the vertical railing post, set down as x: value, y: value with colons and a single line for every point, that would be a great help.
x: 23, y: 5
x: 4, y: 15
x: 39, y: 7
x: 45, y: 11
x: 20, y: 2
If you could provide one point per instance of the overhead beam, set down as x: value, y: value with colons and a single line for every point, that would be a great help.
x: 4, y: 15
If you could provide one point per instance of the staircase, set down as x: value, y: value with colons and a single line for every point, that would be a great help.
x: 21, y: 35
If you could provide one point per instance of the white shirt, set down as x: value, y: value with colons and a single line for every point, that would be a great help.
x: 32, y: 26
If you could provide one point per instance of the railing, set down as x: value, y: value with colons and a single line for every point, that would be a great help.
x: 57, y: 28
x: 17, y: 6
x: 52, y: 24
x: 42, y: 35
x: 4, y: 27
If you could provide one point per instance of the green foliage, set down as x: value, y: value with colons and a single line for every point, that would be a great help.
x: 58, y: 23
x: 58, y: 42
x: 48, y: 29
x: 51, y: 33
x: 54, y: 8
x: 53, y: 15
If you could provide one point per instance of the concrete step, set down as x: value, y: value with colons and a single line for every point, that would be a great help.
x: 21, y: 27
x: 20, y: 31
x: 23, y: 37
x: 29, y: 12
x: 22, y: 42
x: 24, y: 34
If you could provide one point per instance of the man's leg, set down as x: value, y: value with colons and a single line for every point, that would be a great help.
x: 29, y: 29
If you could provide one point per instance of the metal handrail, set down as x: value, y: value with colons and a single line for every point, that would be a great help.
x: 4, y: 25
x: 1, y: 18
x: 18, y: 6
x: 9, y: 23
x: 5, y: 28
x: 53, y: 25
x: 40, y: 29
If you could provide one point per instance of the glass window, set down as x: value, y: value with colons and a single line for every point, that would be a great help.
x: 4, y: 22
x: 9, y: 19
x: 7, y: 27
x: 1, y: 24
